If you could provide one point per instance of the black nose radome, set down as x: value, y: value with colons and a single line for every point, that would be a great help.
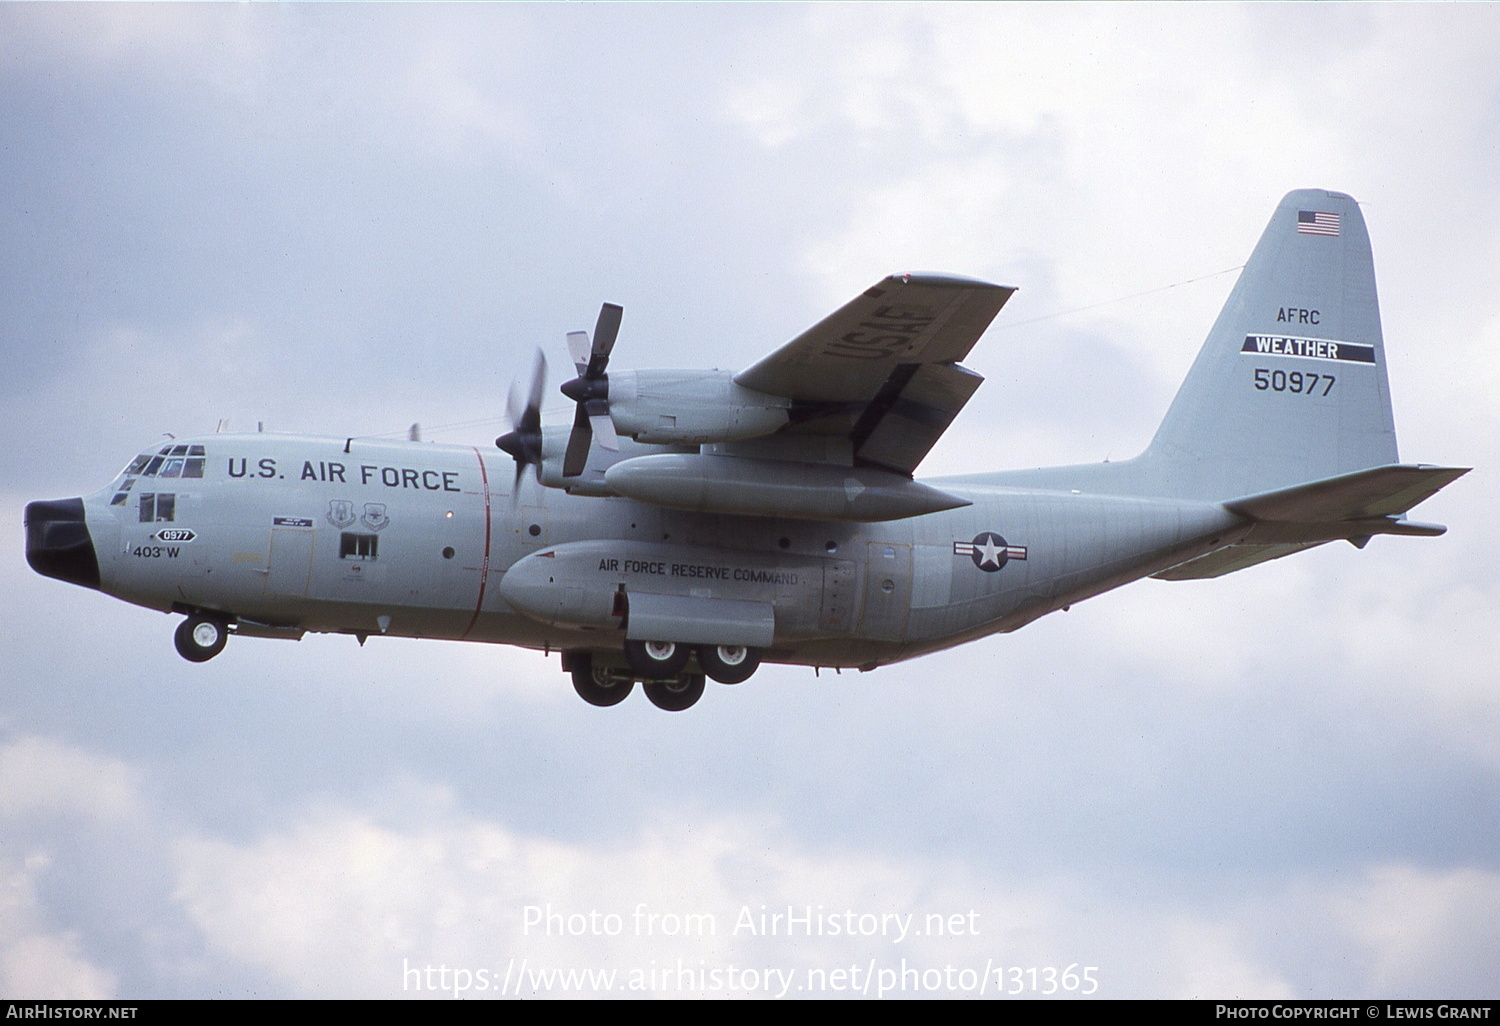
x: 58, y: 543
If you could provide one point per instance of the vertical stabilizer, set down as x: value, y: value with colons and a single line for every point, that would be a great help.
x: 1290, y: 386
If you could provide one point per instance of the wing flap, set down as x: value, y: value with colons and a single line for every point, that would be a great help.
x: 902, y: 424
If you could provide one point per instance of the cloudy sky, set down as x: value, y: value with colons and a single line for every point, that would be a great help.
x: 345, y: 219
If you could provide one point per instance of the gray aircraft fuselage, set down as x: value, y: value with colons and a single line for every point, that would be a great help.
x: 417, y: 540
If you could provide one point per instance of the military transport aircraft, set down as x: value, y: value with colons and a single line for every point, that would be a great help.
x: 698, y: 523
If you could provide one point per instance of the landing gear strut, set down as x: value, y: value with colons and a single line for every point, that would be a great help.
x: 199, y: 638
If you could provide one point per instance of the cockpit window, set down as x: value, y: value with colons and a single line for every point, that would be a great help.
x: 157, y: 507
x: 170, y: 461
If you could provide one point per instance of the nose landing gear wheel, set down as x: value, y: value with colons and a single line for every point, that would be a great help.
x: 656, y: 660
x: 599, y: 686
x: 728, y: 664
x: 199, y: 638
x: 675, y: 695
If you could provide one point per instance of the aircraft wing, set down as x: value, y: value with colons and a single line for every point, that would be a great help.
x: 883, y: 369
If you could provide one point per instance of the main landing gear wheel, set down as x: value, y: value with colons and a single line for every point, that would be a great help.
x: 199, y: 638
x: 656, y: 660
x: 675, y: 695
x: 728, y: 664
x: 601, y: 686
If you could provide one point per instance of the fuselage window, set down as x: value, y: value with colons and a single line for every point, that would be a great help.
x: 357, y: 546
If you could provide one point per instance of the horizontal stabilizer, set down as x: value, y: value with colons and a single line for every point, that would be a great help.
x: 1350, y: 507
x: 1378, y: 492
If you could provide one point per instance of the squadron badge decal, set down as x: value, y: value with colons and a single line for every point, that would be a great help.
x: 989, y: 551
x: 341, y: 513
x: 374, y: 516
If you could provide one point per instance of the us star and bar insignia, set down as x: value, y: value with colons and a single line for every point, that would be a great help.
x: 989, y: 551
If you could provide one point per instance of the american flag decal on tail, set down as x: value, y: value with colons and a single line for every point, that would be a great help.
x: 1317, y: 222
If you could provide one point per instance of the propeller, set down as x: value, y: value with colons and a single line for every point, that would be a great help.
x: 590, y: 390
x: 524, y: 439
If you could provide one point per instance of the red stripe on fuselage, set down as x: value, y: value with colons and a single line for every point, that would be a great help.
x: 484, y: 567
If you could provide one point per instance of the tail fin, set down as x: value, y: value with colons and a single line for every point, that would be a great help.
x: 1290, y: 386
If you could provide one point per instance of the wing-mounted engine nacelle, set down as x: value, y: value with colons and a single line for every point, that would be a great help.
x: 590, y: 481
x: 672, y: 407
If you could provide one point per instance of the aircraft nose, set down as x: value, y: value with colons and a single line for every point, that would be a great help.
x: 58, y: 542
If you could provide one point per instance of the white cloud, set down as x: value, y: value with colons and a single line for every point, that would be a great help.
x: 41, y: 779
x: 1217, y: 965
x: 340, y: 904
x: 37, y: 961
x: 41, y: 776
x: 1424, y: 931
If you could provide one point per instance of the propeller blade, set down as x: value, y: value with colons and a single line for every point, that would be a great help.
x: 513, y: 405
x: 603, y: 427
x: 579, y: 350
x: 590, y: 390
x: 531, y: 420
x: 605, y: 330
x: 578, y: 444
x: 523, y: 442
